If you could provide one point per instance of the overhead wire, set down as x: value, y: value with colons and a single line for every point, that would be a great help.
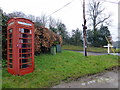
x: 61, y: 8
x: 111, y: 2
x: 81, y: 3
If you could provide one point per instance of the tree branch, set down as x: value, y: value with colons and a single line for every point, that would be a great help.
x: 101, y: 21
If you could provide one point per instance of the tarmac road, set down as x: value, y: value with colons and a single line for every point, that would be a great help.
x: 96, y: 53
x: 102, y: 80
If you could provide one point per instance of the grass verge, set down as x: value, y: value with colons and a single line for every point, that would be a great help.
x: 91, y: 49
x: 52, y: 69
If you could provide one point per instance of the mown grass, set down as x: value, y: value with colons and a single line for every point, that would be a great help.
x: 52, y: 69
x: 91, y: 49
x: 118, y: 50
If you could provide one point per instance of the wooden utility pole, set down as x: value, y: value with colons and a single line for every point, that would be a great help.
x: 84, y: 30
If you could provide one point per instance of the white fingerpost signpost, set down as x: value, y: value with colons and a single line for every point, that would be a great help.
x: 108, y: 46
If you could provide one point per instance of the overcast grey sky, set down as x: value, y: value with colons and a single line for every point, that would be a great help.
x: 71, y: 15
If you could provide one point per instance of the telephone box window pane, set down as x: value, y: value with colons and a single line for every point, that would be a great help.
x: 27, y: 30
x: 29, y: 50
x: 25, y: 36
x: 29, y: 59
x: 10, y: 60
x: 30, y: 31
x: 24, y: 40
x: 24, y: 66
x: 10, y: 50
x: 29, y: 41
x: 21, y: 30
x: 29, y: 55
x: 10, y: 35
x: 23, y: 23
x: 24, y: 60
x: 10, y: 65
x: 24, y: 55
x: 24, y: 50
x: 10, y: 31
x: 10, y: 56
x: 29, y: 45
x: 24, y: 45
x: 29, y: 36
x: 20, y: 41
x: 30, y: 64
x: 10, y: 45
x: 20, y: 35
x: 10, y: 40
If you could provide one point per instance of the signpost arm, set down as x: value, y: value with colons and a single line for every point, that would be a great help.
x: 110, y: 44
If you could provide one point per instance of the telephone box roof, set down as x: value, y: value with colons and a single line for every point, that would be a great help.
x: 20, y: 18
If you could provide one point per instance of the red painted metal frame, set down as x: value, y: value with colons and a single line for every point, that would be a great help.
x: 16, y: 59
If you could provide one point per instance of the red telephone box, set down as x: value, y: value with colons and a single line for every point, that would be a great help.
x: 20, y: 46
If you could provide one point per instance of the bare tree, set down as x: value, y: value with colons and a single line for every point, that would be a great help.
x: 96, y: 14
x: 31, y: 17
x: 52, y: 22
x: 44, y: 19
x: 1, y: 12
x: 16, y: 14
x: 37, y: 22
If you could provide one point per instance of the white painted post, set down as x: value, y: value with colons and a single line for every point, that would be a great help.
x: 108, y: 46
